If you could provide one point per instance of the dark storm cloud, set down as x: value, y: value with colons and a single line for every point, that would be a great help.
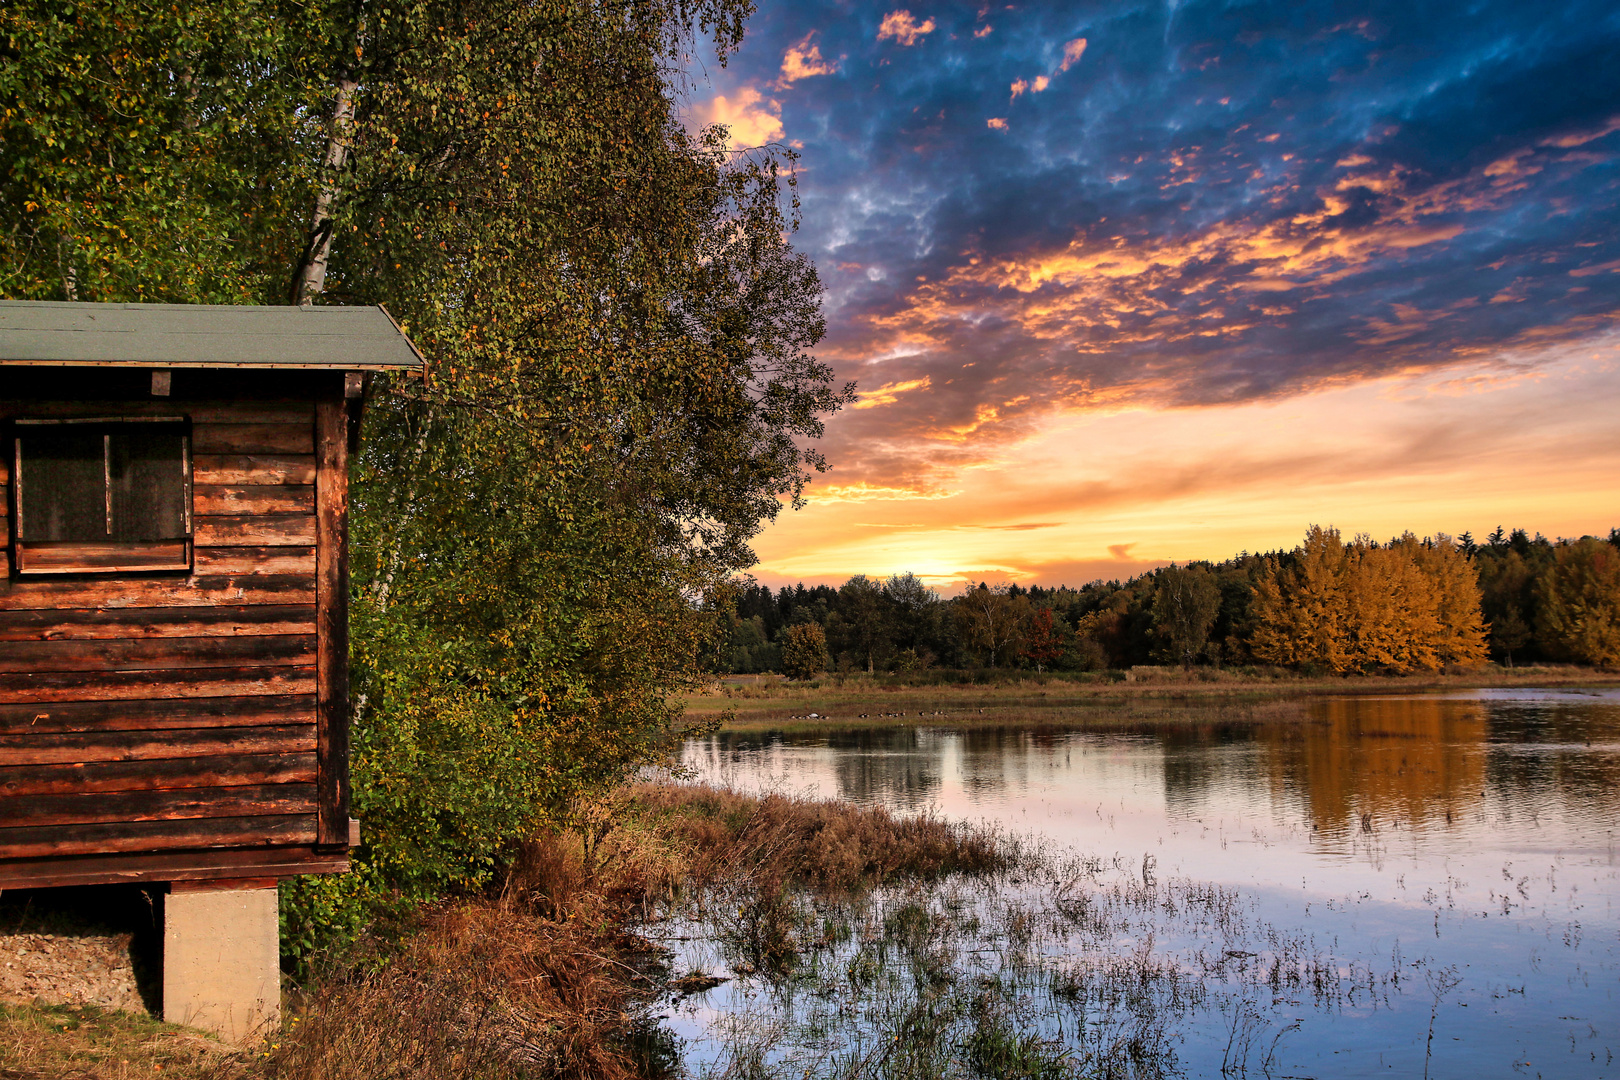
x: 1215, y: 203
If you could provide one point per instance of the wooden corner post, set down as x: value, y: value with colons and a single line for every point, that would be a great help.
x: 332, y: 619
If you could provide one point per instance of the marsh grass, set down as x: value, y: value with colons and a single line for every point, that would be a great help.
x: 1050, y: 966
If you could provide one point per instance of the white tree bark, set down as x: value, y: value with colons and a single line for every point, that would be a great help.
x: 311, y: 277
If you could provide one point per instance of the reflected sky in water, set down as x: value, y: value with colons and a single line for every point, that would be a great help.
x: 1475, y: 829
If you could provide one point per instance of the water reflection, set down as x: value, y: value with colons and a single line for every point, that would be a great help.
x: 1422, y: 763
x: 1479, y: 828
x: 1372, y: 760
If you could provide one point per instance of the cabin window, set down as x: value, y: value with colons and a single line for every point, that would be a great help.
x: 103, y: 495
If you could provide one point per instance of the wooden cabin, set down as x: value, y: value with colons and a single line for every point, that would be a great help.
x: 174, y: 588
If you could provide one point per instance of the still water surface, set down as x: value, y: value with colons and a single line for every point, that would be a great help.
x: 1473, y: 830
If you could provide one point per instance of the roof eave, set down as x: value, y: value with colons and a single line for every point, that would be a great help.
x: 204, y: 365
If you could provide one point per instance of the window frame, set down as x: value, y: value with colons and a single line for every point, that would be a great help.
x: 51, y: 558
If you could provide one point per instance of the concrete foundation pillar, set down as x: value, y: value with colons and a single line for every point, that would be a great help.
x: 222, y: 958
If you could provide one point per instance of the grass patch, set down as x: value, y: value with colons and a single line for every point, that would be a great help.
x: 47, y: 1042
x: 480, y: 989
x: 551, y: 976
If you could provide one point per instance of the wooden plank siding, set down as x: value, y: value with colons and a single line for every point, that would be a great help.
x: 106, y: 807
x: 253, y: 680
x: 250, y: 499
x: 295, y: 439
x: 142, y: 773
x: 237, y: 561
x: 28, y: 720
x: 146, y: 592
x: 252, y: 469
x: 157, y: 654
x: 146, y: 716
x: 5, y: 512
x: 258, y: 830
x: 269, y: 411
x: 85, y: 747
x: 131, y: 623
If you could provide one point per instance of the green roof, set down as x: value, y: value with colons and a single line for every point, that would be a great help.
x: 55, y: 333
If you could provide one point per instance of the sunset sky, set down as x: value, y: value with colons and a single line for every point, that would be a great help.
x: 1126, y: 283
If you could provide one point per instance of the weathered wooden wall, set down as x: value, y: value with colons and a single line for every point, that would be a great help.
x: 143, y: 714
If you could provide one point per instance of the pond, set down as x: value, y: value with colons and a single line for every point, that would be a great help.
x: 1456, y: 853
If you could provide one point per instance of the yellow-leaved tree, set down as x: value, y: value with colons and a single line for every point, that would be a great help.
x: 1461, y: 631
x: 1300, y: 608
x: 1409, y: 605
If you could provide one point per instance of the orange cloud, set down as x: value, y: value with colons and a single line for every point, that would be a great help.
x: 999, y: 123
x: 749, y: 118
x: 983, y: 31
x: 1581, y: 138
x: 1095, y: 279
x: 803, y: 60
x: 1019, y: 86
x: 1601, y: 268
x: 863, y: 492
x: 1117, y: 320
x: 1072, y: 52
x: 899, y: 26
x: 889, y: 393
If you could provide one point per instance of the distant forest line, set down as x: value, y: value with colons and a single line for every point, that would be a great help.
x: 1329, y: 605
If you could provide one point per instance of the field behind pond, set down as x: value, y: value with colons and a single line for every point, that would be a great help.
x: 1142, y: 697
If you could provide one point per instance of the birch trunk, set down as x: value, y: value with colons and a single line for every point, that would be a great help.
x: 311, y: 276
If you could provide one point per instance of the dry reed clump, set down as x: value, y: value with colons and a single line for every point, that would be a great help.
x: 479, y: 991
x: 713, y: 835
x: 547, y: 979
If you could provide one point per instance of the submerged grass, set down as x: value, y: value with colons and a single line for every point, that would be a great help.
x: 552, y: 978
x: 1057, y: 966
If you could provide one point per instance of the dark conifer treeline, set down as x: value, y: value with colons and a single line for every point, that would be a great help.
x: 1329, y: 605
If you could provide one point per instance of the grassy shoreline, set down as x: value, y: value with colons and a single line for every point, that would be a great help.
x: 1151, y: 697
x: 551, y: 975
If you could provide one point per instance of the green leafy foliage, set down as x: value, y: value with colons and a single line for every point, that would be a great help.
x: 153, y: 151
x: 1579, y: 618
x: 1185, y: 605
x: 804, y: 653
x: 618, y: 388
